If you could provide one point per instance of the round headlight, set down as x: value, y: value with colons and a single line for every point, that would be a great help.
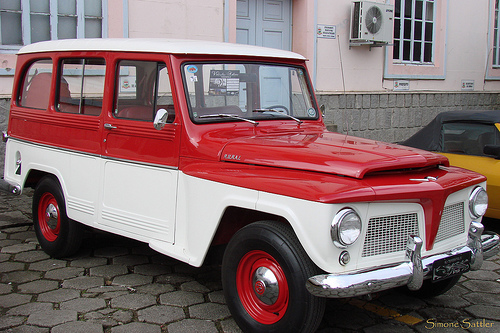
x: 346, y: 227
x: 478, y: 202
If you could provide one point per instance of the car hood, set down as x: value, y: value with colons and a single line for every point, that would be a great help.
x: 327, y: 152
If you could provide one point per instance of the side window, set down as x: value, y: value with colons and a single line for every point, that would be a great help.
x: 35, y: 89
x: 81, y: 86
x: 413, y: 31
x: 469, y: 139
x: 142, y: 87
x: 420, y: 30
x: 23, y: 22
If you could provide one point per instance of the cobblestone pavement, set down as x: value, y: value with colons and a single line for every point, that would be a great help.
x: 119, y: 285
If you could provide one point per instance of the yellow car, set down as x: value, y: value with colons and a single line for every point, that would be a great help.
x: 470, y: 140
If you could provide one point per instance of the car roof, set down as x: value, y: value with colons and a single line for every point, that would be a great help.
x: 429, y: 137
x: 157, y: 45
x: 479, y: 116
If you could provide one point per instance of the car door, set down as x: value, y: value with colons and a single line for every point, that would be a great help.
x: 463, y: 144
x: 488, y: 166
x: 139, y: 172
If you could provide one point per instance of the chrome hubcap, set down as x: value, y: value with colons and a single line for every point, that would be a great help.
x: 265, y: 285
x: 51, y: 216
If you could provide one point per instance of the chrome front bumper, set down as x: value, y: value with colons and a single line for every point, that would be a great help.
x: 411, y: 272
x: 5, y: 186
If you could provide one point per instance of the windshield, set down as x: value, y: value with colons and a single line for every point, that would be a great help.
x: 247, y: 91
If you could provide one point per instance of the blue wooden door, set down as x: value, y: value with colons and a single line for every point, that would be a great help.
x: 264, y: 23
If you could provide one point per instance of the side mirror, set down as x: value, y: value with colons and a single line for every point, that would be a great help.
x: 492, y: 151
x: 160, y: 119
x: 322, y: 108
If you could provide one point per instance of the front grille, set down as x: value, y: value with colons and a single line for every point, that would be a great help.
x: 389, y: 234
x: 452, y: 222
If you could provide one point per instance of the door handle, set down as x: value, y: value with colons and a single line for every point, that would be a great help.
x: 109, y: 126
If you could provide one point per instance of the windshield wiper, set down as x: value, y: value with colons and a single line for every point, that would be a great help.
x: 273, y: 111
x: 225, y: 115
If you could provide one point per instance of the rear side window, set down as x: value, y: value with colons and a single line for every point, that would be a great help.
x: 469, y: 138
x: 142, y: 87
x: 35, y: 89
x: 81, y: 86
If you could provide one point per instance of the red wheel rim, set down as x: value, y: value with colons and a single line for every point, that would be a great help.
x: 49, y: 217
x: 252, y: 290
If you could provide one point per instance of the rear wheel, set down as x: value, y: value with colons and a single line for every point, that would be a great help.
x: 57, y: 234
x: 264, y: 272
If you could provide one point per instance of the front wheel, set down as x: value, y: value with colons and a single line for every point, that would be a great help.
x: 57, y: 234
x: 264, y: 272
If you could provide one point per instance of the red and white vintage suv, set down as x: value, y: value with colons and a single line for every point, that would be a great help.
x: 187, y: 145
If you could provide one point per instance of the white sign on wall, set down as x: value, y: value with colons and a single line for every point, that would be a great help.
x: 468, y: 85
x: 401, y: 85
x: 127, y: 84
x: 327, y: 31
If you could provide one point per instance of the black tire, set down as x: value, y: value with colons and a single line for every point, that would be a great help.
x: 273, y: 247
x: 57, y: 234
x: 430, y: 289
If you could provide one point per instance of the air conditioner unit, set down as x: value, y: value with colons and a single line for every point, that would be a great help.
x: 372, y: 23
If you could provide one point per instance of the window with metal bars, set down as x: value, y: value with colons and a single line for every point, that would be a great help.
x: 496, y: 38
x: 24, y: 22
x: 414, y: 31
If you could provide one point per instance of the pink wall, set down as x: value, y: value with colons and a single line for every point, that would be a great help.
x: 199, y: 19
x: 115, y: 29
x: 115, y: 19
x: 303, y: 30
x: 462, y: 52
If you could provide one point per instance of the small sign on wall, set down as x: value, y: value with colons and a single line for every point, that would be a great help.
x: 327, y: 31
x: 127, y: 84
x: 468, y: 85
x: 401, y: 85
